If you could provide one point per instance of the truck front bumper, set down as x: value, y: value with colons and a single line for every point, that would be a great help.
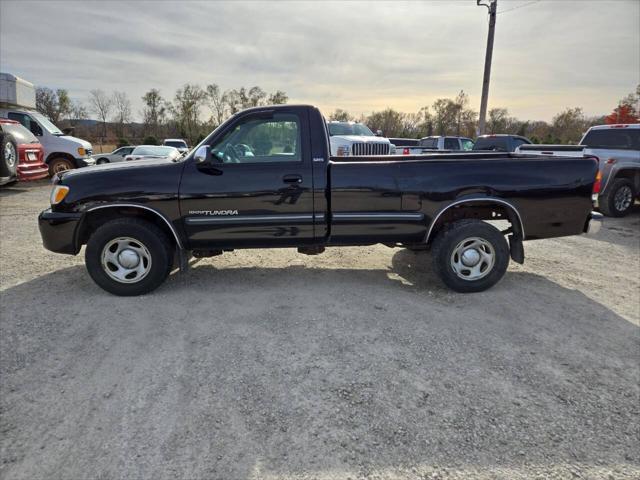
x: 594, y: 223
x: 84, y: 162
x: 58, y: 231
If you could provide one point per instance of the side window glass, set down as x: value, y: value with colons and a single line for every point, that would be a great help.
x: 22, y: 118
x: 261, y: 140
x: 467, y: 144
x: 451, y: 144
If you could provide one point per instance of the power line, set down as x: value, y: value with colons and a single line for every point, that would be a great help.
x: 519, y: 6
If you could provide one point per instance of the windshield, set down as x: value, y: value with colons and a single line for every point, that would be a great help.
x: 349, y: 129
x: 151, y: 150
x: 176, y: 143
x: 46, y: 124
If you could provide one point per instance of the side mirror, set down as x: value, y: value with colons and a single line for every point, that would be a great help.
x: 202, y: 155
x: 378, y: 133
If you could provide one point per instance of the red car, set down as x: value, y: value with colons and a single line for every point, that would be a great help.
x: 21, y: 155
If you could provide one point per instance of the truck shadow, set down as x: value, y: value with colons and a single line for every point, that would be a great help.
x: 284, y: 372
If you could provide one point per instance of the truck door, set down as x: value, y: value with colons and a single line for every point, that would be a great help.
x: 257, y: 188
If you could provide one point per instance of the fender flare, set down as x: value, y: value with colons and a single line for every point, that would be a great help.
x: 490, y: 200
x: 142, y: 207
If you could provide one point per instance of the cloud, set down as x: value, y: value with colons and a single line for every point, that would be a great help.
x: 361, y: 56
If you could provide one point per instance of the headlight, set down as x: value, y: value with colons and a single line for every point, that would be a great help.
x: 58, y: 193
x: 81, y: 151
x: 344, y: 150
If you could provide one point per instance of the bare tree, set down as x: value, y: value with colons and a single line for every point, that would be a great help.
x: 216, y: 101
x: 101, y: 105
x: 186, y: 110
x: 341, y: 115
x: 154, y: 112
x: 278, y: 98
x: 54, y: 105
x: 122, y: 111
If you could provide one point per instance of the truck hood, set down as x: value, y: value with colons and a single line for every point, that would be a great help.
x: 108, y: 168
x: 360, y: 139
x: 81, y: 143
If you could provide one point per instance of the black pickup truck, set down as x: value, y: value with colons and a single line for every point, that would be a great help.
x: 264, y: 179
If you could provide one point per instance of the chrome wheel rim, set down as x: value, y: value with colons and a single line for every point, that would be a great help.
x: 126, y: 260
x: 473, y: 258
x: 10, y: 154
x: 623, y: 198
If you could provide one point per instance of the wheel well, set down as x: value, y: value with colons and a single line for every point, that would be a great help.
x: 59, y: 155
x: 479, y: 210
x: 94, y: 219
x: 630, y: 174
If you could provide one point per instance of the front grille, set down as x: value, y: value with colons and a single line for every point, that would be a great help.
x: 362, y: 148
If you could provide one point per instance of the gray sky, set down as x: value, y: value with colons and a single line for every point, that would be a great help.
x: 360, y: 56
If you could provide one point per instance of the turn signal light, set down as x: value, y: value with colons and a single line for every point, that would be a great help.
x: 58, y: 193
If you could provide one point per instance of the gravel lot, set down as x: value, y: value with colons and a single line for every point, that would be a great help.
x: 353, y: 364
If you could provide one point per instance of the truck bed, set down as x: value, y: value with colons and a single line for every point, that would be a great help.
x: 552, y: 194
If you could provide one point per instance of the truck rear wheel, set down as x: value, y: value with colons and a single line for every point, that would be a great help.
x: 59, y: 164
x: 618, y: 201
x: 470, y: 256
x: 8, y: 157
x: 128, y: 257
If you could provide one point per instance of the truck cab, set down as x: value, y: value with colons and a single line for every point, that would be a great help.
x: 62, y: 152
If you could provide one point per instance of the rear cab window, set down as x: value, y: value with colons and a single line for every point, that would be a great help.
x: 613, y: 138
x: 496, y: 144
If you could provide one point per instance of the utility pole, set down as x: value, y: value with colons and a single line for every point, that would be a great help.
x: 492, y: 6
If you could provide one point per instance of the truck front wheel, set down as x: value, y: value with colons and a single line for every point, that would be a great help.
x: 470, y: 255
x: 59, y: 164
x: 128, y: 257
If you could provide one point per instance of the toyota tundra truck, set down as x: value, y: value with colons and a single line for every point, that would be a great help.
x: 266, y: 178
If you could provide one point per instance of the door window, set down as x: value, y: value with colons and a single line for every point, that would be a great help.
x: 261, y: 140
x: 467, y: 144
x: 451, y: 144
x: 26, y: 121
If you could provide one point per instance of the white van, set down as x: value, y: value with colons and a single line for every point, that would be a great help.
x: 61, y: 152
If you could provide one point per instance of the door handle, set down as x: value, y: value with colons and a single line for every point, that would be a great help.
x: 292, y: 179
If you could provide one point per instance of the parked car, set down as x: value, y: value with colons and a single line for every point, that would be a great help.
x: 136, y: 217
x: 21, y: 155
x: 352, y: 138
x: 452, y: 144
x: 178, y: 143
x: 499, y: 143
x: 618, y: 149
x: 142, y: 152
x: 116, y: 156
x: 62, y: 152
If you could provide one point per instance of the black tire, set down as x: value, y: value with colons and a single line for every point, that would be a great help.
x: 8, y: 156
x: 611, y: 204
x: 150, y: 236
x: 101, y: 161
x: 60, y: 164
x: 452, y: 237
